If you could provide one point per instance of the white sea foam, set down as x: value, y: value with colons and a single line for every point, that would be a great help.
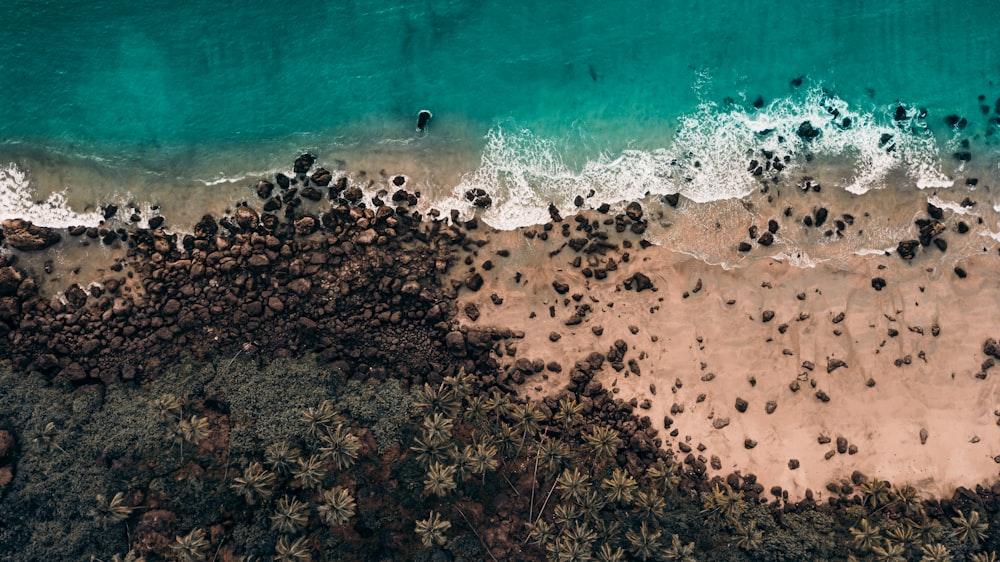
x: 17, y: 201
x: 949, y: 205
x: 706, y: 160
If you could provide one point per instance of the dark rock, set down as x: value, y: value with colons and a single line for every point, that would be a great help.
x: 832, y: 364
x: 766, y: 239
x: 672, y: 199
x: 941, y: 244
x: 22, y: 235
x: 311, y: 193
x: 634, y: 211
x: 283, y: 181
x: 639, y: 282
x: 991, y: 348
x: 744, y: 247
x: 749, y: 443
x: 109, y: 211
x: 741, y: 405
x: 841, y: 444
x: 928, y: 230
x: 767, y: 316
x: 10, y: 280
x: 821, y: 215
x: 264, y: 189
x: 793, y: 464
x: 472, y: 311
x: 206, y: 227
x: 878, y: 283
x: 962, y: 227
x: 303, y: 163
x: 907, y: 249
x: 807, y: 132
x: 322, y: 177
x: 561, y: 288
x: 900, y: 113
x: 474, y: 281
x: 936, y: 213
x: 961, y: 273
x: 155, y: 222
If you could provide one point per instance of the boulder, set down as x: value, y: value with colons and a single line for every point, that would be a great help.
x: 322, y: 177
x: 907, y: 249
x: 807, y: 132
x: 264, y: 189
x: 303, y: 163
x: 10, y: 280
x: 634, y: 211
x: 22, y: 235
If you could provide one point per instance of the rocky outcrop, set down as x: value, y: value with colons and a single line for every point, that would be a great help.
x: 25, y: 236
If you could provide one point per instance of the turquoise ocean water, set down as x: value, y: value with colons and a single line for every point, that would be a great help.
x: 536, y: 102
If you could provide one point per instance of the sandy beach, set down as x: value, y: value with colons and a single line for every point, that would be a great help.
x: 705, y: 338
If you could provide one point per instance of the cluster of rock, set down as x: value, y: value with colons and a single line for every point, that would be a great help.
x: 358, y: 283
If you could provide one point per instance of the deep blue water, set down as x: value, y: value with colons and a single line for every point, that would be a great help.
x: 540, y: 99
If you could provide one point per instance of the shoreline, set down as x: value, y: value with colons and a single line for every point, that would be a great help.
x: 583, y: 308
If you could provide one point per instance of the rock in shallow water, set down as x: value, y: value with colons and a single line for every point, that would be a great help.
x: 23, y: 235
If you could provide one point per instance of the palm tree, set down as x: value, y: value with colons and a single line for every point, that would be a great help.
x: 475, y: 411
x: 566, y: 550
x: 507, y: 439
x: 590, y: 504
x: 569, y: 415
x: 983, y: 557
x: 295, y: 551
x: 339, y: 446
x: 437, y: 427
x: 644, y: 545
x: 440, y: 479
x: 565, y: 513
x: 875, y: 493
x: 619, y: 487
x: 930, y: 530
x: 318, y: 419
x: 111, y: 511
x: 573, y: 484
x: 609, y: 529
x: 167, y: 408
x: 552, y: 452
x: 904, y: 535
x: 499, y: 404
x: 865, y: 535
x: 290, y: 515
x: 665, y: 477
x: 543, y: 532
x: 256, y: 483
x: 891, y: 552
x: 461, y: 383
x: 193, y: 430
x: 677, y: 552
x: 281, y: 457
x: 723, y: 503
x: 608, y: 554
x: 907, y: 499
x: 310, y: 472
x: 484, y: 459
x: 578, y: 532
x: 936, y: 552
x: 429, y: 400
x: 429, y: 449
x: 338, y: 506
x: 650, y: 505
x: 747, y: 537
x: 602, y: 442
x: 462, y: 459
x: 527, y: 418
x: 969, y: 529
x: 431, y: 530
x: 191, y: 547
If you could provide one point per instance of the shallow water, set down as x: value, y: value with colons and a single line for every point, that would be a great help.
x: 183, y: 106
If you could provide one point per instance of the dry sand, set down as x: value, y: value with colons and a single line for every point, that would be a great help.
x: 921, y: 380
